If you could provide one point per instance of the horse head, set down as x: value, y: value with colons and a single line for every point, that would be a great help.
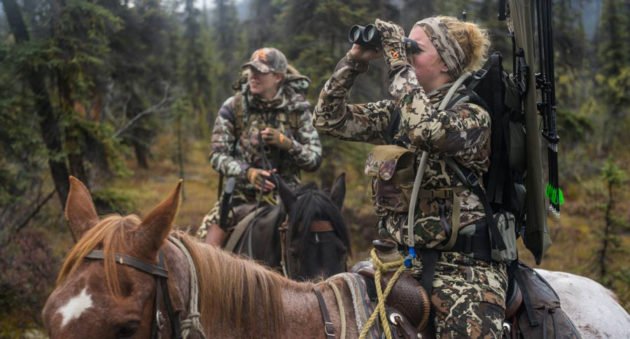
x: 317, y: 240
x: 104, y: 298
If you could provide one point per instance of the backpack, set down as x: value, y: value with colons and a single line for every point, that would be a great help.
x: 498, y: 92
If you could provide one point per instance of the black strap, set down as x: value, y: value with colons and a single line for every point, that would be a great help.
x: 156, y: 323
x: 329, y: 328
x: 429, y: 260
x: 161, y: 282
x: 123, y: 259
x: 477, y: 244
x: 470, y: 180
x: 160, y: 273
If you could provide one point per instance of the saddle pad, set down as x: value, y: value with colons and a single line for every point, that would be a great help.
x: 361, y: 303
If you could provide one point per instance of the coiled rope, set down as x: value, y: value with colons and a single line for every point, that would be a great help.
x: 191, y: 323
x: 379, y: 310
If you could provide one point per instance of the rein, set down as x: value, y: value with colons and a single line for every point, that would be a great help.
x: 160, y: 272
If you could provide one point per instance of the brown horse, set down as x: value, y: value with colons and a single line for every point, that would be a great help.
x: 316, y: 243
x: 113, y: 284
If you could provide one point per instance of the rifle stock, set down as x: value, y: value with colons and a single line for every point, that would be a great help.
x: 226, y: 202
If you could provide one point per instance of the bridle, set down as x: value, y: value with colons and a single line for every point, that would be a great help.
x: 160, y: 273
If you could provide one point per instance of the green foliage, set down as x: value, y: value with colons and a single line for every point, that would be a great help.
x: 106, y: 63
x: 112, y: 200
x: 612, y: 174
x: 573, y: 126
x: 28, y: 271
x: 613, y: 54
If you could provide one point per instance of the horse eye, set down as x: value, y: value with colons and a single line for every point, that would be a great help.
x: 128, y: 330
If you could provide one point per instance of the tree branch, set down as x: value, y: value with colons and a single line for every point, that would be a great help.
x: 147, y: 111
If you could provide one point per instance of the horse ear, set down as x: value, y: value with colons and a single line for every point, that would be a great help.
x: 338, y: 190
x: 80, y: 211
x: 158, y: 223
x: 286, y: 195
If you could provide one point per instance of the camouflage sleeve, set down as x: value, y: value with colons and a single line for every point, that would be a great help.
x: 460, y: 131
x: 306, y: 149
x: 222, y: 156
x: 355, y: 122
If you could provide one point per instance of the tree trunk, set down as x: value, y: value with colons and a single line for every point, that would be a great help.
x: 49, y: 124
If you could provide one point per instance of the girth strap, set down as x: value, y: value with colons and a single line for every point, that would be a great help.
x: 329, y: 328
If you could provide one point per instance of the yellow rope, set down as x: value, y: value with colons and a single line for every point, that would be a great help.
x: 382, y: 295
x: 342, y: 311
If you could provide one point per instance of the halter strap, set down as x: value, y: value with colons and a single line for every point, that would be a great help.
x: 329, y: 328
x: 123, y: 259
x: 160, y: 273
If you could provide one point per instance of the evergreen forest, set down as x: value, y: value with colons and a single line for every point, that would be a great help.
x: 123, y: 94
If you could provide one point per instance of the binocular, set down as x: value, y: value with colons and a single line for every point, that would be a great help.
x: 368, y: 36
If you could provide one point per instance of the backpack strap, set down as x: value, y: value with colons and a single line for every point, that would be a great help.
x: 239, y: 112
x: 470, y: 180
x: 293, y: 118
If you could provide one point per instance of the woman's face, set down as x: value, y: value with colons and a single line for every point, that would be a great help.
x: 430, y: 69
x: 264, y: 84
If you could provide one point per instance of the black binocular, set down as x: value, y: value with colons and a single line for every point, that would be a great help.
x: 368, y: 36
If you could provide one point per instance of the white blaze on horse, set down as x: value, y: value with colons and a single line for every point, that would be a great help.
x: 128, y: 277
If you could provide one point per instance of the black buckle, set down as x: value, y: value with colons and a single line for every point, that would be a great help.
x: 329, y: 329
x: 480, y: 74
x: 472, y: 179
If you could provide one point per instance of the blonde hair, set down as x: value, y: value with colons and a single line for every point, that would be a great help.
x: 473, y: 40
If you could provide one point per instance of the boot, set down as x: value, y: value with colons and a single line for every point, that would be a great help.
x: 215, y: 235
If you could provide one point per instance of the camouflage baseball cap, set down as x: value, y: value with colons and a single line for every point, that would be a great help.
x: 268, y: 59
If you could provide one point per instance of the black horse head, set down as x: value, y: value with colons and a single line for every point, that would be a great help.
x: 317, y: 242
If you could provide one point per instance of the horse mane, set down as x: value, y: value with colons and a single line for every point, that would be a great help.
x: 112, y: 233
x: 313, y: 204
x: 255, y: 307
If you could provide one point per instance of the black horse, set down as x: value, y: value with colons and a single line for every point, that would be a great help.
x: 305, y: 236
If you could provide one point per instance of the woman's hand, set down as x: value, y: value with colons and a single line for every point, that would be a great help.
x: 272, y: 136
x: 261, y: 179
x: 363, y: 54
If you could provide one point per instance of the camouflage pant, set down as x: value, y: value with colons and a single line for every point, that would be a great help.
x: 239, y: 209
x: 211, y: 218
x: 468, y: 297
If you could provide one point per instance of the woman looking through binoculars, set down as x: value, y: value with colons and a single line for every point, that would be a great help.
x: 468, y: 293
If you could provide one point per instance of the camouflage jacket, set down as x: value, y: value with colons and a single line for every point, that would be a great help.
x: 461, y: 132
x: 257, y: 114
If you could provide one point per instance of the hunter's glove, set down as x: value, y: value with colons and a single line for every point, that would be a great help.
x: 392, y: 37
x: 260, y: 178
x: 272, y: 136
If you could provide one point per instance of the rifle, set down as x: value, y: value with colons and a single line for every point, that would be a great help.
x: 547, y: 107
x: 226, y: 202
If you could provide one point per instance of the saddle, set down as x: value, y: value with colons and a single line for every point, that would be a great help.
x: 408, y: 304
x: 532, y: 306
